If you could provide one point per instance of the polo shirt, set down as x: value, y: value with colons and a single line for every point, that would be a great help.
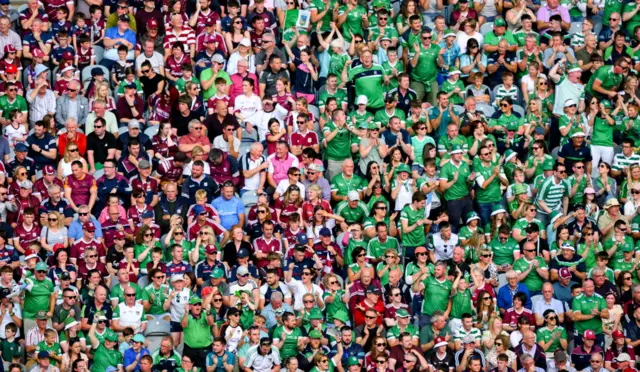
x: 130, y: 316
x: 229, y: 210
x: 114, y: 33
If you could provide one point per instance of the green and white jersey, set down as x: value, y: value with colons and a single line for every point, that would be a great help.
x: 461, y: 303
x: 394, y: 332
x: 343, y: 185
x: 436, y: 295
x: 340, y: 96
x: 368, y: 82
x: 352, y: 215
x: 552, y: 193
x: 376, y: 248
x: 620, y: 161
x: 156, y: 297
x: 521, y: 36
x: 503, y: 92
x: 416, y: 237
x: 461, y: 333
x: 585, y: 304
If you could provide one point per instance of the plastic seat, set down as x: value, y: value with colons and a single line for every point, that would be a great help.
x: 152, y: 131
x: 519, y: 110
x: 249, y: 198
x: 86, y: 73
x: 486, y: 28
x: 99, y: 173
x: 123, y: 130
x: 99, y: 53
x: 315, y: 111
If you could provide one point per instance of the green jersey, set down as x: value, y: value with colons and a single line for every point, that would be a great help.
x: 552, y: 194
x: 376, y: 248
x: 117, y: 293
x: 544, y: 334
x: 197, y: 333
x: 320, y: 6
x: 531, y: 163
x: 352, y: 215
x: 394, y: 332
x: 339, y: 148
x: 337, y: 63
x: 382, y: 116
x: 492, y: 39
x: 388, y: 71
x: 533, y: 281
x: 353, y: 24
x: 460, y: 304
x: 585, y: 304
x: 602, y: 133
x: 436, y: 295
x: 37, y: 296
x: 503, y: 252
x: 578, y: 197
x: 54, y: 349
x: 103, y: 358
x: 492, y: 193
x: 459, y: 189
x: 290, y: 346
x: 353, y: 244
x: 332, y: 308
x: 368, y: 82
x: 6, y: 106
x: 608, y: 78
x: 340, y: 96
x: 612, y: 6
x: 449, y: 86
x: 621, y: 246
x: 427, y: 67
x: 590, y: 260
x: 342, y: 185
x: 416, y: 237
x: 521, y: 35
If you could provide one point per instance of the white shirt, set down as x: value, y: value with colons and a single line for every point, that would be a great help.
x: 220, y: 143
x: 177, y: 304
x: 299, y: 290
x: 284, y: 185
x: 131, y: 316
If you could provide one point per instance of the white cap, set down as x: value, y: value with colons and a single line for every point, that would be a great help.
x: 578, y: 134
x: 362, y: 100
x: 176, y: 278
x: 569, y: 102
x: 245, y: 42
x: 353, y: 195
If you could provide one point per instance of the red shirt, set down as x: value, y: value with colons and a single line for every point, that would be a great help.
x: 264, y: 246
x: 79, y: 246
x: 81, y: 188
x: 358, y: 315
x: 307, y: 209
x: 203, y: 19
x: 80, y: 141
x: 511, y: 316
x: 83, y: 270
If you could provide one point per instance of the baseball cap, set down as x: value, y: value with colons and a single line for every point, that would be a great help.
x: 569, y: 102
x: 617, y: 334
x: 217, y: 273
x: 147, y: 214
x: 144, y: 164
x: 243, y: 252
x: 48, y: 170
x: 589, y: 335
x: 211, y: 249
x: 152, y: 23
x: 41, y: 315
x: 217, y: 58
x: 567, y: 245
x: 119, y: 235
x: 456, y: 149
x: 177, y: 278
x: 64, y: 275
x: 578, y: 134
x: 21, y: 147
x: 373, y: 289
x: 131, y: 86
x: 9, y: 48
x: 198, y: 209
x: 97, y: 71
x: 325, y: 231
x: 67, y: 56
x: 11, y: 69
x: 195, y: 300
x: 133, y: 123
x: 124, y: 18
x: 242, y: 271
x: 499, y: 22
x: 352, y: 361
x: 315, y: 167
x: 38, y: 53
x: 622, y: 357
x: 353, y: 195
x: 30, y: 253
x: 402, y: 313
x: 89, y: 226
x: 43, y: 354
x: 439, y: 341
x: 41, y: 266
x: 139, y: 338
x: 245, y: 42
x: 4, y: 293
x: 315, y: 334
x: 519, y: 189
x: 110, y: 335
x: 469, y: 339
x: 362, y: 100
x: 564, y: 273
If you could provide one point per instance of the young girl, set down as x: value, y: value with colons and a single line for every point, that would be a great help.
x: 276, y: 133
x: 10, y: 59
x: 67, y: 72
x: 38, y: 59
x: 306, y: 74
x: 591, y: 208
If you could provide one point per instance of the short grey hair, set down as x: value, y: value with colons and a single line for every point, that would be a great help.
x: 192, y: 123
x: 525, y: 358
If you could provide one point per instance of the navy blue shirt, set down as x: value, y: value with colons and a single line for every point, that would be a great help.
x: 46, y: 143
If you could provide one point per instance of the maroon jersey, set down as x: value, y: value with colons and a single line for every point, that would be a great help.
x: 221, y: 46
x: 511, y: 316
x: 26, y: 15
x: 283, y: 100
x: 256, y: 39
x: 292, y: 240
x: 174, y: 66
x: 42, y: 190
x: 96, y: 27
x: 85, y: 56
x: 133, y: 278
x: 307, y: 209
x: 169, y: 171
x: 83, y: 270
x: 110, y: 228
x: 285, y: 210
x: 162, y: 109
x: 81, y: 188
x: 305, y: 140
x: 134, y: 213
x: 150, y: 185
x: 80, y: 245
x: 266, y: 246
x: 26, y: 236
x: 211, y: 103
x: 16, y: 217
x: 6, y: 62
x: 203, y: 19
x: 62, y: 86
x: 194, y: 228
x: 293, y: 115
x: 52, y: 6
x: 160, y: 146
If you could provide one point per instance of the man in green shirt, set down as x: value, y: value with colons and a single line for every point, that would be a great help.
x: 589, y: 308
x: 346, y: 181
x: 489, y: 178
x: 425, y: 58
x: 352, y: 19
x: 553, y: 194
x: 380, y: 243
x: 605, y: 82
x: 196, y: 324
x: 105, y: 353
x: 368, y: 80
x: 455, y: 177
x: 288, y: 337
x: 39, y: 293
x: 332, y: 90
x: 412, y: 219
x: 337, y: 140
x: 602, y: 137
x: 532, y: 270
x: 353, y: 210
x: 436, y: 291
x: 505, y: 249
x: 11, y: 101
x: 402, y: 325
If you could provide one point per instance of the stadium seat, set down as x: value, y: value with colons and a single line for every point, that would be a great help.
x: 486, y: 28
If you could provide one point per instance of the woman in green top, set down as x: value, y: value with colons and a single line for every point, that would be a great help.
x: 475, y: 243
x: 333, y: 297
x: 545, y: 95
x: 536, y: 115
x: 358, y: 256
x: 395, y: 159
x: 605, y: 186
x: 379, y: 213
x: 145, y: 242
x: 206, y: 237
x: 496, y: 221
x: 288, y: 20
x: 176, y: 235
x: 354, y: 237
x: 571, y: 122
x: 562, y: 236
x: 322, y: 363
x: 418, y: 141
x: 633, y: 176
x: 551, y: 336
x: 589, y: 248
x: 407, y: 9
x: 390, y: 262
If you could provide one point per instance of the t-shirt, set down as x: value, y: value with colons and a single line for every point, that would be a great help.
x: 368, y: 82
x: 585, y: 304
x: 436, y: 295
x: 416, y: 237
x: 533, y: 281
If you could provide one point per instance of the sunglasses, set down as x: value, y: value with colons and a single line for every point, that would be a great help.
x: 178, y: 233
x: 306, y: 273
x: 53, y: 219
x: 309, y: 301
x: 145, y: 71
x: 147, y: 235
x: 92, y: 256
x: 504, y: 105
x: 98, y: 126
x: 370, y: 317
x: 262, y: 211
x: 217, y: 300
x: 158, y: 277
x: 486, y: 298
x: 529, y: 250
x: 380, y: 361
x: 73, y: 150
x: 498, y: 343
x: 41, y: 271
x: 130, y: 294
x: 381, y: 344
x: 486, y: 255
x: 421, y: 254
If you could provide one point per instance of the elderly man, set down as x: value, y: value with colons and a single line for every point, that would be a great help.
x: 279, y: 164
x: 254, y: 165
x: 275, y: 308
x: 314, y: 177
x: 506, y: 292
x: 72, y: 135
x: 178, y: 32
x: 196, y: 137
x: 39, y: 294
x: 589, y: 308
x: 9, y: 37
x: 548, y: 303
x: 42, y: 100
x: 35, y: 332
x: 552, y: 8
x: 346, y: 181
x: 99, y: 111
x: 37, y: 39
x: 131, y: 105
x: 529, y: 347
x: 121, y: 34
x: 243, y: 72
x: 72, y: 104
x: 611, y: 223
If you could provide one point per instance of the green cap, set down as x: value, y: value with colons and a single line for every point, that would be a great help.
x: 139, y: 338
x: 449, y: 32
x: 217, y: 273
x: 69, y: 323
x: 453, y: 70
x: 378, y: 3
x: 372, y: 125
x: 402, y: 313
x: 195, y: 300
x: 342, y: 316
x: 499, y: 22
x: 573, y: 67
x: 352, y: 361
x: 555, y: 215
x: 547, y: 165
x: 315, y: 313
x: 606, y: 103
x: 403, y: 168
x: 315, y: 334
x: 41, y: 315
x: 627, y: 248
x: 456, y: 148
x: 472, y: 216
x: 513, y: 125
x: 519, y: 189
x: 41, y: 266
x: 509, y: 154
x: 110, y: 335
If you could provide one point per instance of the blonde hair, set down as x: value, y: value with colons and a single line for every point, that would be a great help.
x: 67, y: 152
x: 60, y: 220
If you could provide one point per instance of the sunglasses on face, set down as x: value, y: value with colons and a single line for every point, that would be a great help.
x: 73, y: 150
x: 145, y: 71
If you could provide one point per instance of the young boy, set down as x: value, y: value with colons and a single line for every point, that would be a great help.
x: 79, y: 28
x: 221, y: 95
x: 64, y: 50
x: 233, y: 7
x: 61, y: 23
x: 96, y: 25
x: 86, y: 56
x: 187, y: 75
x: 479, y: 91
x: 9, y: 347
x: 392, y: 68
x: 125, y: 340
x: 454, y: 87
x: 577, y: 40
x: 602, y: 260
x: 118, y: 73
x: 51, y: 346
